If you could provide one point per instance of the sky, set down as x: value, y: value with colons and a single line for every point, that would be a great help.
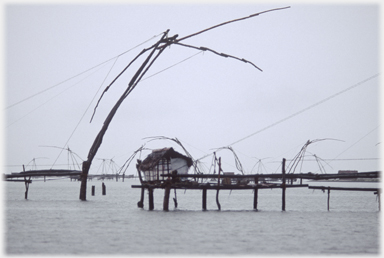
x: 319, y: 81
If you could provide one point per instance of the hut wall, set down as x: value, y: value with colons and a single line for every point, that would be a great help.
x: 180, y: 165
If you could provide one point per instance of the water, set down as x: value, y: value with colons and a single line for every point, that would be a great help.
x: 53, y: 221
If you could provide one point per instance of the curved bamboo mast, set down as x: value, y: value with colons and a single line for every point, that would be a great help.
x: 135, y: 80
x: 99, y: 138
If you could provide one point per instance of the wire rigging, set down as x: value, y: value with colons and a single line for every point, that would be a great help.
x: 42, y: 104
x: 307, y: 108
x: 87, y: 70
x: 86, y: 110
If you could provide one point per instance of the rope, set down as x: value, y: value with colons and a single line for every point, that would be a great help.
x: 307, y: 108
x: 33, y: 110
x: 78, y: 123
x: 40, y: 92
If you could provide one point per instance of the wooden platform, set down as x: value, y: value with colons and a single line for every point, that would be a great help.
x: 260, y: 181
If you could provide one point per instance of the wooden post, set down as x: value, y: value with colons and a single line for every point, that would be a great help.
x: 26, y: 182
x: 167, y: 191
x: 104, y: 189
x: 301, y: 181
x: 204, y: 199
x: 378, y: 197
x: 283, y: 186
x: 140, y: 203
x: 150, y: 198
x: 83, y: 178
x: 329, y: 191
x: 93, y: 190
x: 255, y: 198
x: 218, y: 186
x: 175, y: 199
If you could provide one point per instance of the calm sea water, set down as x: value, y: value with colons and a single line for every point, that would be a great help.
x: 53, y: 221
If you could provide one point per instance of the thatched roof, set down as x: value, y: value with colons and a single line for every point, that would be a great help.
x: 166, y: 153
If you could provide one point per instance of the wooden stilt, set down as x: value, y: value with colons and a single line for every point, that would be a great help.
x: 26, y: 182
x: 150, y: 198
x: 218, y: 185
x: 93, y: 190
x: 329, y: 192
x: 140, y: 203
x: 167, y: 191
x: 204, y: 199
x: 217, y: 200
x: 255, y: 193
x: 283, y: 186
x: 175, y: 199
x: 378, y: 197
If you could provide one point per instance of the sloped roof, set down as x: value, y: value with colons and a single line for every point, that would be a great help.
x: 152, y: 159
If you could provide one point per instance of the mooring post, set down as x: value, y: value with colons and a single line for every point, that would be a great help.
x: 283, y: 186
x: 255, y: 198
x: 329, y: 191
x: 150, y: 198
x: 167, y: 191
x: 26, y: 186
x: 104, y: 190
x: 204, y: 199
x: 140, y: 203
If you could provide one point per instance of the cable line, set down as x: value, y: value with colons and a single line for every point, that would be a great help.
x: 307, y: 108
x: 355, y: 142
x: 33, y: 110
x: 86, y: 110
x: 40, y: 92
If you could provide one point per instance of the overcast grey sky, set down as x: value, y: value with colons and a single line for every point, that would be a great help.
x: 308, y: 54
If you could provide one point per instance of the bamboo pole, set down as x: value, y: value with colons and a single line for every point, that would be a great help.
x: 255, y: 193
x: 283, y: 186
x: 99, y: 138
x: 329, y: 192
x: 150, y: 198
x: 204, y: 199
x: 167, y: 191
x: 175, y: 199
x: 218, y: 185
x: 140, y: 203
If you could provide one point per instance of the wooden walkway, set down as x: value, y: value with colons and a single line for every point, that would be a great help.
x: 190, y: 182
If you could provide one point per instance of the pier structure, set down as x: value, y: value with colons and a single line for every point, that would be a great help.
x: 27, y: 175
x: 256, y: 182
x: 157, y: 172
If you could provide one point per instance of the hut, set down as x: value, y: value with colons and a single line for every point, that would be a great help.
x: 162, y: 161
